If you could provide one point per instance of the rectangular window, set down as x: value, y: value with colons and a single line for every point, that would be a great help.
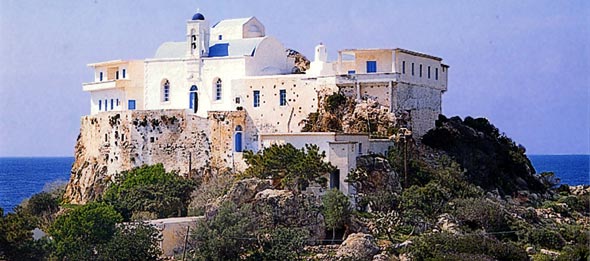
x: 124, y: 73
x: 106, y: 104
x: 412, y: 69
x: 351, y: 72
x: 335, y: 179
x: 371, y: 66
x: 100, y: 76
x: 404, y: 67
x: 238, y: 100
x: 99, y: 105
x: 220, y: 37
x: 436, y: 73
x: 420, y: 70
x: 117, y: 102
x: 360, y: 148
x: 131, y: 105
x: 283, y: 97
x: 256, y: 95
x: 428, y: 72
x: 117, y: 75
x: 112, y: 104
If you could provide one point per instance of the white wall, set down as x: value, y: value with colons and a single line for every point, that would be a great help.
x: 440, y: 84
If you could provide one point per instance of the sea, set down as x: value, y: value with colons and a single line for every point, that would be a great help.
x: 20, y: 178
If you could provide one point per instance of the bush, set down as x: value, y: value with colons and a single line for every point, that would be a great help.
x: 336, y: 209
x: 480, y: 213
x: 546, y: 238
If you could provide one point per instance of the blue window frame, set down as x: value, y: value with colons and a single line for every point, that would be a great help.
x: 218, y: 90
x: 117, y: 102
x: 256, y: 96
x: 100, y: 76
x: 282, y: 97
x: 371, y: 66
x: 412, y: 69
x: 112, y: 104
x: 131, y: 104
x: 404, y: 67
x: 436, y: 73
x: 124, y: 73
x: 193, y: 99
x: 106, y: 104
x: 351, y: 72
x: 99, y: 105
x: 238, y: 147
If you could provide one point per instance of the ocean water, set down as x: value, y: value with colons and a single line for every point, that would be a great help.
x: 20, y: 178
x: 571, y: 169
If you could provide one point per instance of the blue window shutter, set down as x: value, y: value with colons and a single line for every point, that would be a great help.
x: 351, y: 72
x: 256, y: 98
x: 100, y: 76
x: 124, y: 72
x: 371, y: 66
x: 99, y: 105
x: 131, y: 105
x: 283, y: 97
x: 112, y: 104
x: 106, y: 104
x: 238, y: 142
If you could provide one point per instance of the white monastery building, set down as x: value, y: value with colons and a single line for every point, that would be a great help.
x: 235, y: 66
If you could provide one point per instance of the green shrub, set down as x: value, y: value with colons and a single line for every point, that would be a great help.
x: 546, y: 238
x: 480, y: 213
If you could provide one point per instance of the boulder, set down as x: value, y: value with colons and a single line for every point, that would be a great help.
x: 358, y: 246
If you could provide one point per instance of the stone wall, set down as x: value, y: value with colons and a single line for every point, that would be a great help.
x: 112, y: 142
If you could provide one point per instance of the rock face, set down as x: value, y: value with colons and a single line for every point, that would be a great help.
x: 357, y: 246
x: 112, y: 142
x: 301, y: 62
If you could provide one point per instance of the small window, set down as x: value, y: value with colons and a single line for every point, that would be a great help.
x: 371, y: 66
x: 220, y: 37
x: 256, y: 97
x: 124, y: 73
x: 428, y: 72
x: 420, y: 70
x: 117, y: 75
x: 131, y: 105
x: 404, y: 67
x: 238, y: 100
x: 218, y: 90
x: 351, y: 72
x: 335, y: 179
x: 99, y: 105
x: 166, y: 91
x: 412, y: 69
x: 117, y: 102
x: 100, y: 76
x: 436, y: 73
x: 106, y: 104
x: 360, y: 148
x: 112, y: 104
x: 283, y: 97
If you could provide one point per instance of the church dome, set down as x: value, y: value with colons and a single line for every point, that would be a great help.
x: 198, y: 16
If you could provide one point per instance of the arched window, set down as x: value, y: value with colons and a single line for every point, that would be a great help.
x: 218, y: 90
x: 193, y: 99
x: 165, y: 90
x: 238, y: 147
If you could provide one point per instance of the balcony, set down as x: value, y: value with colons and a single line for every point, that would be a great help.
x: 105, y: 85
x: 367, y: 78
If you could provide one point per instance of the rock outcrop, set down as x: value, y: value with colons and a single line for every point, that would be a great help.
x: 357, y: 246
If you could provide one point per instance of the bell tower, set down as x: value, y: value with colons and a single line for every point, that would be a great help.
x: 197, y: 37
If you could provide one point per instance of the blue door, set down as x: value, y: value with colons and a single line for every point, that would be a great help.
x: 238, y: 142
x: 193, y: 102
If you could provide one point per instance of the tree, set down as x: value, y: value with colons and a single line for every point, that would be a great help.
x: 16, y: 238
x: 77, y: 234
x: 132, y: 241
x: 293, y: 168
x: 336, y: 209
x: 150, y: 189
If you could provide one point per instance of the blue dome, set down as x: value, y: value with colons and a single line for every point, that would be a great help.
x: 198, y: 16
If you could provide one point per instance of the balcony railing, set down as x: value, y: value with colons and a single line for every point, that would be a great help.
x: 367, y: 78
x: 105, y: 85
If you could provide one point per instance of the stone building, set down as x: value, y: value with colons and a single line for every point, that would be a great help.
x: 251, y: 94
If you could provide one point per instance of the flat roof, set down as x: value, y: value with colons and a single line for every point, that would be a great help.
x: 311, y: 134
x: 418, y: 54
x: 110, y: 63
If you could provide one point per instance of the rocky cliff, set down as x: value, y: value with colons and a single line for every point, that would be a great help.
x: 112, y: 142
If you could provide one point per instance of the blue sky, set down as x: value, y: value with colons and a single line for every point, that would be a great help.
x: 522, y: 64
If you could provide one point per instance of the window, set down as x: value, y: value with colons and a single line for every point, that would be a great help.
x: 335, y: 179
x: 220, y: 37
x: 360, y: 148
x: 117, y: 75
x: 117, y: 102
x: 436, y: 73
x: 371, y: 66
x: 100, y: 76
x: 131, y: 105
x: 351, y: 72
x: 404, y: 67
x: 412, y: 69
x: 283, y: 97
x: 124, y: 73
x: 166, y: 91
x: 428, y: 72
x: 238, y: 147
x: 193, y: 99
x: 238, y: 100
x: 420, y: 70
x: 106, y: 104
x: 256, y: 97
x: 99, y: 105
x: 112, y: 104
x: 218, y: 90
